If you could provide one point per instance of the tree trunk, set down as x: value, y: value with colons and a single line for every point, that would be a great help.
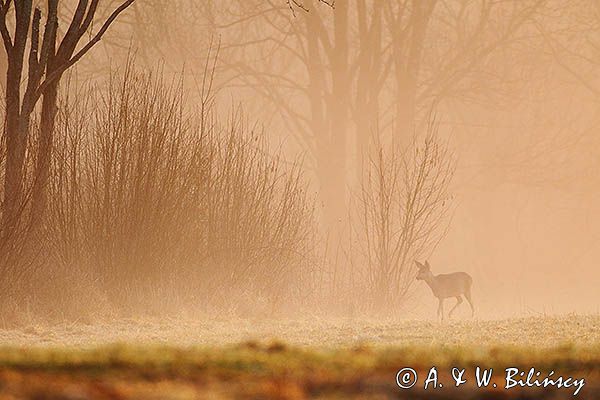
x: 338, y: 121
x: 15, y: 134
x: 320, y: 125
x: 368, y: 83
x: 407, y: 66
x: 44, y: 155
x: 16, y: 143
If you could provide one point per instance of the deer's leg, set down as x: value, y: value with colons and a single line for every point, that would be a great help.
x: 459, y: 300
x: 468, y: 297
x: 441, y: 309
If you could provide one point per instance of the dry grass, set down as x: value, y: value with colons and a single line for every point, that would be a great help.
x: 320, y: 359
x: 315, y: 332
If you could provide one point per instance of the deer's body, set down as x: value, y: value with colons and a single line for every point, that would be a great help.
x: 444, y: 286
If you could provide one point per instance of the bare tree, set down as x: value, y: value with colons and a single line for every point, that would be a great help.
x: 342, y: 74
x: 45, y: 65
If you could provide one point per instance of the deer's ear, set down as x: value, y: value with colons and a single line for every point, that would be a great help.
x: 419, y: 265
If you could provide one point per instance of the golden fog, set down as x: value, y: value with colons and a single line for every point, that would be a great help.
x: 508, y: 90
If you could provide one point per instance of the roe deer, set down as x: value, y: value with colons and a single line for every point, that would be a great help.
x: 447, y: 285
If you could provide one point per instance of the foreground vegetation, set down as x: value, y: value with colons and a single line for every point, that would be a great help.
x: 353, y: 359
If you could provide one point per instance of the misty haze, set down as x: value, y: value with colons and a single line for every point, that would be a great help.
x: 289, y: 199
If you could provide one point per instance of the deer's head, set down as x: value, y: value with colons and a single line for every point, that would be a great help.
x: 424, y: 271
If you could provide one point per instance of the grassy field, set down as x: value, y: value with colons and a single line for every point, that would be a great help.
x: 333, y: 359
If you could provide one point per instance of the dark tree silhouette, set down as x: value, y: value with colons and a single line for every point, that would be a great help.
x: 47, y: 61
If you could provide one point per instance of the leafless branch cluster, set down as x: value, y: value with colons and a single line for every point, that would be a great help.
x: 37, y: 57
x: 293, y: 4
x: 403, y: 205
x: 149, y: 201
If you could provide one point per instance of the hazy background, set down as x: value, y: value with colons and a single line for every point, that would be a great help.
x: 524, y: 124
x: 515, y: 88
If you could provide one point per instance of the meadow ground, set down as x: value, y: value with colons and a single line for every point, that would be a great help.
x: 286, y: 359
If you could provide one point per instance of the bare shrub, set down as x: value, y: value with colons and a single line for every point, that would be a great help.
x: 18, y: 247
x: 256, y: 217
x: 160, y: 206
x: 403, y: 204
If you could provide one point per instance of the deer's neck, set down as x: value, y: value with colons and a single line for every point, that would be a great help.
x: 431, y: 281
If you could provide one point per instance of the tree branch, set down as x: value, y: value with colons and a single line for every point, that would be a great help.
x: 56, y: 74
x: 3, y: 29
